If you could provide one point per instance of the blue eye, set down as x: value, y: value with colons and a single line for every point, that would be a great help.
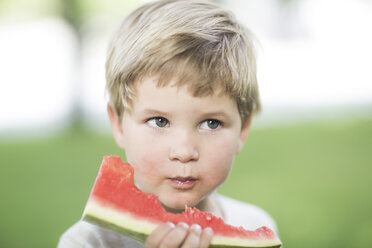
x: 210, y: 124
x: 158, y: 122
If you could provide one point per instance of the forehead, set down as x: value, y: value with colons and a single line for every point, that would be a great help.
x: 148, y: 93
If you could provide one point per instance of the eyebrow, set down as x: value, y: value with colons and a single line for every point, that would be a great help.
x: 203, y: 115
x: 153, y: 112
x: 216, y: 114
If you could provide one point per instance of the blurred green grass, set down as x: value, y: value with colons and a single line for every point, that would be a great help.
x: 313, y: 178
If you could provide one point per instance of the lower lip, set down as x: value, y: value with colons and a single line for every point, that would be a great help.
x: 183, y: 185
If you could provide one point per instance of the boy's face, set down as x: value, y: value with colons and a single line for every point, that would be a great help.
x: 182, y: 147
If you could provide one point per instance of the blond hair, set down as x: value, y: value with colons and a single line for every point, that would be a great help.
x: 195, y: 43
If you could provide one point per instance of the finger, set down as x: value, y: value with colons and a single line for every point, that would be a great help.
x: 156, y: 237
x: 193, y: 238
x: 206, y: 237
x: 175, y: 237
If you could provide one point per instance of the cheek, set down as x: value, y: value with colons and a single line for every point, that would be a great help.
x: 146, y: 154
x: 220, y: 158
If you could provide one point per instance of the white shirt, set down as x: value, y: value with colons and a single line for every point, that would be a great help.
x: 237, y: 213
x: 243, y: 214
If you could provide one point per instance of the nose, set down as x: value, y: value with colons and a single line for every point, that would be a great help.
x: 183, y: 148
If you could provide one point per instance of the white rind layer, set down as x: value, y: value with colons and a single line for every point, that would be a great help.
x: 129, y: 222
x: 118, y: 218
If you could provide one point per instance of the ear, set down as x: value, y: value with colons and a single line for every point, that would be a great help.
x: 116, y: 127
x: 244, y: 133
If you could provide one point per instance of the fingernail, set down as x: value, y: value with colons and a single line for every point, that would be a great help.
x: 171, y: 225
x: 196, y: 228
x: 209, y: 231
x: 183, y: 225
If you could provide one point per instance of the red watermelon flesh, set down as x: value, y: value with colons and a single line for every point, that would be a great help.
x: 117, y: 204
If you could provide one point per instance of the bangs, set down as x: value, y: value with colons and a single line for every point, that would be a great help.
x: 204, y: 69
x: 186, y: 73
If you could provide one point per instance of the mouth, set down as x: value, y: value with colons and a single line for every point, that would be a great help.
x: 183, y: 183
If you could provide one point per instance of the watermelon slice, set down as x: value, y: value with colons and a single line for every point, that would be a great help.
x: 117, y: 204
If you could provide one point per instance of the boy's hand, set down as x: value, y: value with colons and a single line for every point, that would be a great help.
x: 168, y: 235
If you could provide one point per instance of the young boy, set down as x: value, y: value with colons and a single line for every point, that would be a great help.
x: 181, y: 79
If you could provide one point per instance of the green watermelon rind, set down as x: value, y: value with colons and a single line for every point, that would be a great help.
x: 137, y: 229
x: 118, y: 229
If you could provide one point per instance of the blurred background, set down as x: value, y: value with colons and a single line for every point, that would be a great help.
x: 307, y: 161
